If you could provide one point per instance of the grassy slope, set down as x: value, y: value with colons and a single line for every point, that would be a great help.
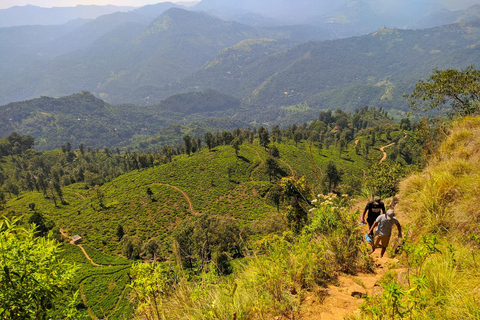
x: 439, y: 208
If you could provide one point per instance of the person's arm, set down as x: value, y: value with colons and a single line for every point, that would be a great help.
x: 399, y: 227
x: 373, y: 227
x: 365, y: 211
x: 362, y: 217
x: 383, y: 208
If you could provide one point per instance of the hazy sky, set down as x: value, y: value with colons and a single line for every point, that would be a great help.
x: 71, y: 3
x: 450, y: 4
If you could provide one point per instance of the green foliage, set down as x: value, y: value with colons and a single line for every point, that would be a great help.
x: 332, y: 177
x: 209, y: 238
x: 383, y: 179
x: 450, y: 88
x: 296, y: 192
x: 433, y: 288
x: 440, y: 197
x: 34, y: 281
x: 103, y: 259
x: 332, y: 219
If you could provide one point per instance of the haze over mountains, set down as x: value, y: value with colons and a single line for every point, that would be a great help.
x: 286, y: 54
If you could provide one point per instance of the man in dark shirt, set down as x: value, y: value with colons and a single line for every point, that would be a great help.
x: 374, y: 209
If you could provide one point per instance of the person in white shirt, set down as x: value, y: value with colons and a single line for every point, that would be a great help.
x: 384, y: 224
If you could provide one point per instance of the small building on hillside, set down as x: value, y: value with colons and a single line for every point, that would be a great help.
x: 76, y: 239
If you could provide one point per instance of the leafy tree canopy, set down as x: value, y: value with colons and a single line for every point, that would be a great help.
x: 34, y: 281
x: 456, y: 90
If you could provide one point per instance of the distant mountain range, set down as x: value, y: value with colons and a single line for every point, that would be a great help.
x: 121, y: 53
x: 148, y: 54
x: 33, y: 15
x: 129, y: 58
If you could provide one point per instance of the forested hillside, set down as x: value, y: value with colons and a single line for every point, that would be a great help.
x: 82, y: 118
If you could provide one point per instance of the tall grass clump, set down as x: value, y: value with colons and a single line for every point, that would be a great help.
x: 271, y: 281
x: 440, y: 198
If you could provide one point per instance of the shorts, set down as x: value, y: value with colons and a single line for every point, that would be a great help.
x: 384, y: 240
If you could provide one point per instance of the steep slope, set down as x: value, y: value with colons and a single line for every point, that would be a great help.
x: 440, y: 198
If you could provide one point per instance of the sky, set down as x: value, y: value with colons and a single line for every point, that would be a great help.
x: 450, y: 4
x: 71, y: 3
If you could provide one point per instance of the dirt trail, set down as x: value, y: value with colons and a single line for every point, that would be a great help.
x: 347, y: 297
x: 292, y: 172
x: 185, y: 195
x: 83, y: 250
x: 383, y: 151
x: 258, y: 167
x: 80, y: 195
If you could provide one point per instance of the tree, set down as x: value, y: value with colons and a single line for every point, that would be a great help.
x: 273, y: 151
x: 358, y: 147
x: 81, y: 148
x: 272, y: 166
x: 332, y: 177
x: 132, y: 247
x: 150, y: 194
x: 150, y: 248
x: 100, y: 195
x: 277, y: 133
x: 209, y: 140
x: 236, y: 145
x: 39, y: 221
x: 188, y: 144
x: 33, y: 276
x: 207, y: 239
x: 296, y: 192
x: 264, y: 137
x: 458, y: 91
x: 383, y: 179
x: 297, y: 137
x: 120, y: 232
x: 199, y: 143
x: 275, y: 196
x: 227, y: 137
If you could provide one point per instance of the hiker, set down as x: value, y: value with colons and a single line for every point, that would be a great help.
x: 384, y: 224
x: 374, y: 208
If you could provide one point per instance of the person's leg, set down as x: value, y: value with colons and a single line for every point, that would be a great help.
x: 385, y: 241
x: 375, y: 244
x: 383, y: 251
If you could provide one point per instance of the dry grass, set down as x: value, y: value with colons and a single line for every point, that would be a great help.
x: 445, y: 195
